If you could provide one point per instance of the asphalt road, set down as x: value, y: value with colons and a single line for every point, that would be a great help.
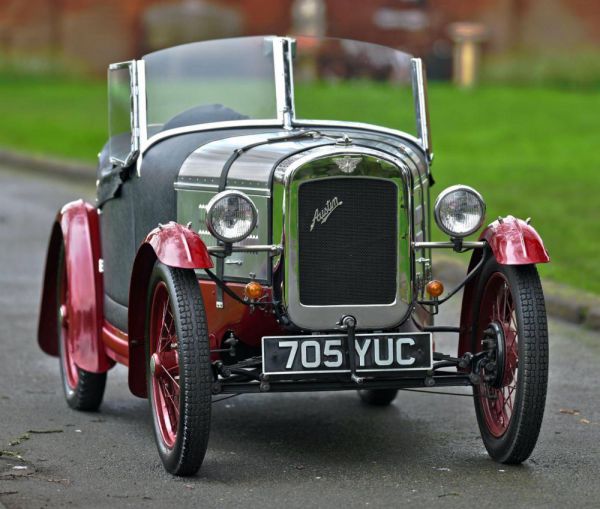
x: 301, y: 450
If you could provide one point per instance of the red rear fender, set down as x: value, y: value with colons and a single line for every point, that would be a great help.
x: 76, y: 226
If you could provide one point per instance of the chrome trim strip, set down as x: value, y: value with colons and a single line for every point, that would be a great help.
x: 449, y: 245
x: 281, y: 82
x: 279, y: 79
x: 289, y: 82
x: 272, y: 249
x: 209, y: 126
x: 358, y: 125
x: 135, y: 112
x: 191, y: 186
x: 141, y: 99
x: 273, y: 123
x: 419, y: 84
x: 119, y: 65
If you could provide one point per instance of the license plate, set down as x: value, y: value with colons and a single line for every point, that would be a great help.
x: 284, y: 355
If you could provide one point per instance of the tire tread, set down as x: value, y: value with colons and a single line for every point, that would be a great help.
x: 89, y: 391
x: 196, y: 377
x: 535, y: 365
x: 517, y: 444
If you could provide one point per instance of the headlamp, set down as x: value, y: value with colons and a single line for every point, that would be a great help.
x: 231, y: 216
x: 459, y: 211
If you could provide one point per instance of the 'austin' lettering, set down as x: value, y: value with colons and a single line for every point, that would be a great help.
x: 322, y: 215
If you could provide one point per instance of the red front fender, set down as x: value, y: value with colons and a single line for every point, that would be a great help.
x: 178, y: 246
x: 512, y: 242
x: 175, y: 246
x: 77, y: 227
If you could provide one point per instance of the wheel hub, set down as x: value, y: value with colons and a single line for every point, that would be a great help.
x: 494, y: 342
x: 154, y: 363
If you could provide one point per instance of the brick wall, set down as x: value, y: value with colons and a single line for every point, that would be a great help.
x: 96, y: 32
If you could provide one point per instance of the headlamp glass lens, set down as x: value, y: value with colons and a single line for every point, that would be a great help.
x: 232, y: 217
x: 460, y: 212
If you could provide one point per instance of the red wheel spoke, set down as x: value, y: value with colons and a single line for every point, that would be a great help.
x: 163, y: 344
x: 497, y: 396
x: 165, y: 333
x: 174, y: 405
x: 509, y: 399
x: 172, y: 394
x: 168, y: 360
x: 513, y: 322
x: 505, y: 417
x: 506, y: 312
x: 163, y: 320
x: 167, y: 327
x: 170, y: 377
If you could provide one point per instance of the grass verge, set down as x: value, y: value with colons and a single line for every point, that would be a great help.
x: 529, y: 151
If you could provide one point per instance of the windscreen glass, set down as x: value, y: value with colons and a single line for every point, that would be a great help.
x: 338, y: 79
x: 119, y: 112
x: 210, y: 81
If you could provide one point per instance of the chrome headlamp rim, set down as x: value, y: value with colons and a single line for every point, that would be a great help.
x: 446, y: 192
x: 210, y: 207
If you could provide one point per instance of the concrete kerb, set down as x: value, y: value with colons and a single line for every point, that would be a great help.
x: 82, y: 172
x: 562, y: 301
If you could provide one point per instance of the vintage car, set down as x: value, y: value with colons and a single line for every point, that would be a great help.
x: 239, y: 244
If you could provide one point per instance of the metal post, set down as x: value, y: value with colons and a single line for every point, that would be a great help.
x: 467, y: 39
x: 419, y: 86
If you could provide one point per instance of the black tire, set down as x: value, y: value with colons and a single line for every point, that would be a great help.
x: 378, y: 397
x: 83, y: 390
x: 181, y: 446
x: 511, y: 438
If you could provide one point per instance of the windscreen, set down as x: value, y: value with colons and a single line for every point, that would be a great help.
x: 119, y: 112
x: 345, y: 80
x: 210, y: 81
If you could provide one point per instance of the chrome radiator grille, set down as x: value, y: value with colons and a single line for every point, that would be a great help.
x: 348, y: 241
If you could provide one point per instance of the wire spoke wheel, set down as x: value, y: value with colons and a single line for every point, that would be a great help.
x: 178, y: 367
x: 164, y: 364
x: 497, y: 396
x: 511, y: 328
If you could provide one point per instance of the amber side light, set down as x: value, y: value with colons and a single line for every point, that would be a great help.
x: 434, y: 288
x: 254, y: 290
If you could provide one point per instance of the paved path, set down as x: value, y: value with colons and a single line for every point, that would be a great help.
x: 302, y: 450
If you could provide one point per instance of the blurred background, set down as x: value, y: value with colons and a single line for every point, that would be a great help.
x: 514, y: 89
